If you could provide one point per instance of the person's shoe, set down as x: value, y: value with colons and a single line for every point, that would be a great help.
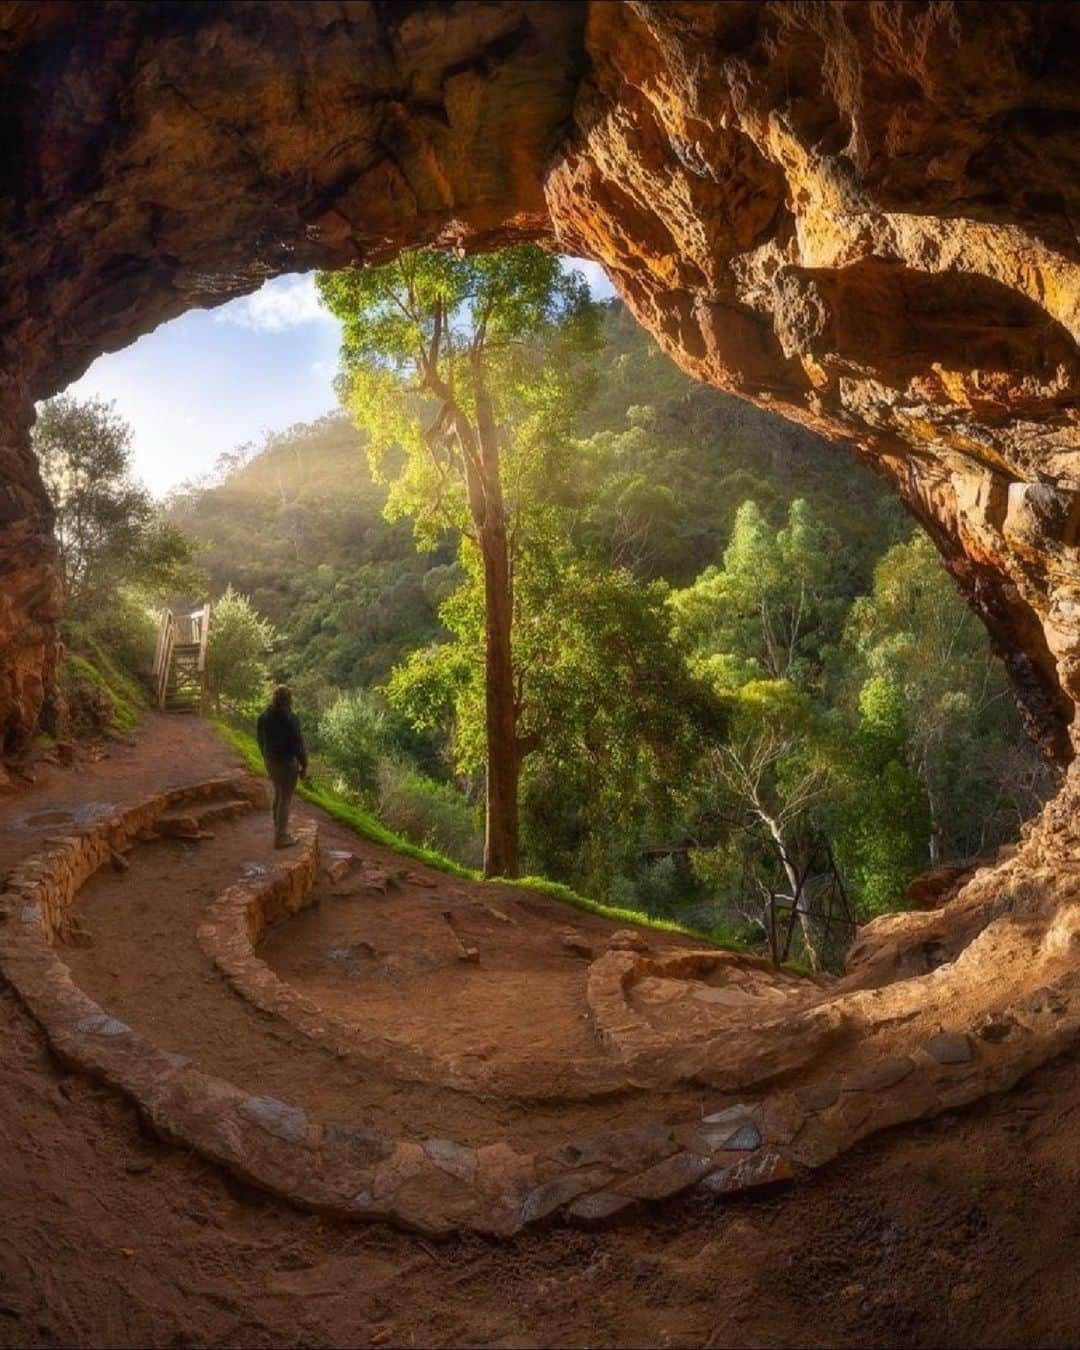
x: 286, y: 841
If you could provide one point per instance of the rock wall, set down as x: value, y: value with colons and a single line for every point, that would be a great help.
x: 158, y: 157
x: 861, y: 215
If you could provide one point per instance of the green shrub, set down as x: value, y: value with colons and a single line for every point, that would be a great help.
x: 435, y: 815
x: 351, y: 738
x: 236, y: 672
x: 656, y: 889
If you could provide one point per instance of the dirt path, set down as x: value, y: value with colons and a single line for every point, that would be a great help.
x: 390, y: 962
x: 960, y: 1232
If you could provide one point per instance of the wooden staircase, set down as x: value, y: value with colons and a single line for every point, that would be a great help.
x: 180, y: 661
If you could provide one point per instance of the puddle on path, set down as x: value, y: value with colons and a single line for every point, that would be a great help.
x: 83, y: 814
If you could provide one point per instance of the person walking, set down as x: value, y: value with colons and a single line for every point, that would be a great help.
x: 285, y: 757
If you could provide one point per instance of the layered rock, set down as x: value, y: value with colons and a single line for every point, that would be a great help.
x: 858, y: 214
x: 159, y: 157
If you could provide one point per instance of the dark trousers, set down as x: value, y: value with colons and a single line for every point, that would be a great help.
x: 283, y: 774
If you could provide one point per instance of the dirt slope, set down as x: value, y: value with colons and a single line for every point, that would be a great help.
x: 959, y: 1232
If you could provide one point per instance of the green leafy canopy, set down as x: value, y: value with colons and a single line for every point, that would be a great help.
x: 433, y: 330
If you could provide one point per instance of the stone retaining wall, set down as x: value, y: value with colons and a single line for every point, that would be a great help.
x: 232, y: 928
x: 438, y: 1185
x: 50, y: 880
x: 229, y: 935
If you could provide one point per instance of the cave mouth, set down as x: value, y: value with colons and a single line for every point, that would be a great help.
x: 737, y: 202
x: 766, y: 235
x: 983, y: 783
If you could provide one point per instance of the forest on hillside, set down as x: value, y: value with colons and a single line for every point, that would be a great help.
x: 735, y: 653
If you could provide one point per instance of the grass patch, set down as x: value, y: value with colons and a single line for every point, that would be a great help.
x: 97, y: 673
x: 557, y: 891
x: 368, y: 827
x: 345, y: 812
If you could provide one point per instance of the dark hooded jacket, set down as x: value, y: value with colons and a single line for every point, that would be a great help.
x: 280, y: 738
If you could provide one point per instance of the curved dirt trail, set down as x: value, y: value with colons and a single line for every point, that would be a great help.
x: 951, y: 1232
x: 524, y: 994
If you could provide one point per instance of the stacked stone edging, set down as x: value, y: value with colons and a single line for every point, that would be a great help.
x: 229, y: 935
x: 439, y: 1186
x: 50, y: 879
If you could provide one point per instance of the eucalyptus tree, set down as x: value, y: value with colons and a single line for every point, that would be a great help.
x: 110, y: 533
x: 610, y: 714
x: 466, y: 372
x: 775, y: 602
x: 913, y: 641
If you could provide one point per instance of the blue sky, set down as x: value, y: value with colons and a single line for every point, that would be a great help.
x: 213, y: 379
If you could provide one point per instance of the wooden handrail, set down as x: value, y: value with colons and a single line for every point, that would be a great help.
x: 163, y: 626
x: 183, y: 630
x: 204, y: 635
x: 168, y: 643
x: 204, y: 642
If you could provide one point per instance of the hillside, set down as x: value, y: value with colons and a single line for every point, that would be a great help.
x: 681, y: 531
x: 296, y: 523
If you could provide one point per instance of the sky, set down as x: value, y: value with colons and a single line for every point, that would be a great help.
x: 214, y: 379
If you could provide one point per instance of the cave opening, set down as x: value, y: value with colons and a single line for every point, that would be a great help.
x: 787, y: 571
x: 878, y: 260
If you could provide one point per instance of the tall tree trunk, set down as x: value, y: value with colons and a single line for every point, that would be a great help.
x: 503, y: 757
x: 478, y: 440
x: 503, y: 751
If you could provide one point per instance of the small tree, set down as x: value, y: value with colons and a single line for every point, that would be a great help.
x: 767, y: 778
x: 758, y: 627
x: 236, y: 672
x: 353, y: 738
x: 466, y: 365
x: 110, y: 533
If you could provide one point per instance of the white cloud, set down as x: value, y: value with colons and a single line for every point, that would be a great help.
x: 285, y: 302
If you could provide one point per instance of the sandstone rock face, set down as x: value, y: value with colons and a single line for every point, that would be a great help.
x: 159, y: 157
x: 861, y: 215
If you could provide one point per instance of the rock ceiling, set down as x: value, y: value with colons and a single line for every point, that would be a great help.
x: 861, y: 215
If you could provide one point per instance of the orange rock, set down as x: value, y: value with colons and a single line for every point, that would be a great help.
x: 937, y: 887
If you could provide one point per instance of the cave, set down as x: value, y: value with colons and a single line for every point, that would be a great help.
x: 854, y: 215
x: 858, y: 216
